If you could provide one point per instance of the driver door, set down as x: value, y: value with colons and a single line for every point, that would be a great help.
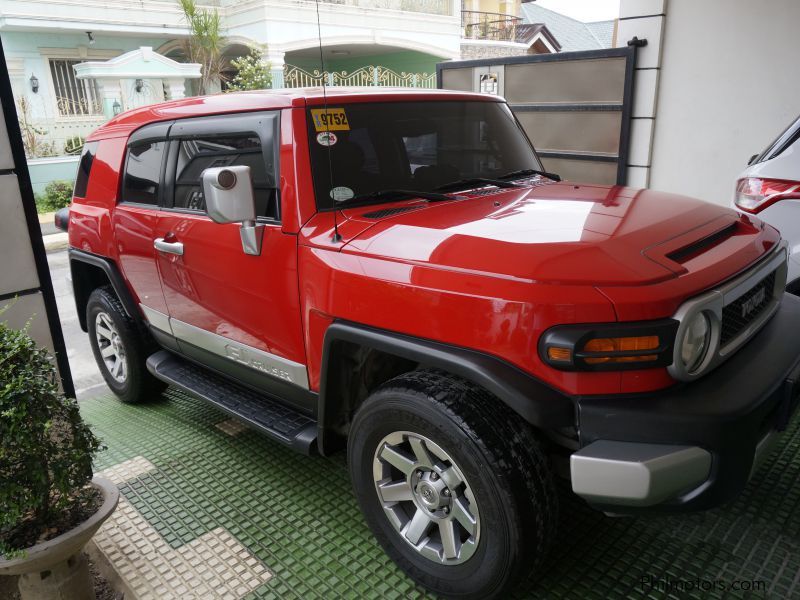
x: 234, y: 312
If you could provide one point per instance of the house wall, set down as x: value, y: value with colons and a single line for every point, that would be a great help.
x: 28, y: 53
x: 506, y: 7
x: 433, y: 26
x: 728, y: 86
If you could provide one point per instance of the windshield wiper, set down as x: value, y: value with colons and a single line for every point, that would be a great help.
x: 398, y: 195
x: 525, y: 172
x: 453, y: 185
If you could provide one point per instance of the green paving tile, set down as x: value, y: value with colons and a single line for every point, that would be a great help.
x: 298, y: 515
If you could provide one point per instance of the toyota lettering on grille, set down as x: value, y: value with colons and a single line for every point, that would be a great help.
x: 753, y: 302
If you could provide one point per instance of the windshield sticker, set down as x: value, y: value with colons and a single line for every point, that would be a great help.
x: 330, y: 119
x: 326, y: 138
x: 341, y: 193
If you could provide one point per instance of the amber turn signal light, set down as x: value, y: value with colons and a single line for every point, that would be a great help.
x: 609, y: 347
x: 559, y: 354
x: 619, y: 345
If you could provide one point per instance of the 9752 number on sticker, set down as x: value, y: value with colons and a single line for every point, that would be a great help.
x: 330, y: 119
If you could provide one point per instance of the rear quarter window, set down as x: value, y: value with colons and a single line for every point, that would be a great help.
x: 143, y: 172
x: 84, y: 169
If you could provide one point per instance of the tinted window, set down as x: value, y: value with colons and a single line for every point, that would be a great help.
x: 84, y: 168
x: 142, y: 172
x: 421, y: 150
x: 197, y: 154
x: 415, y: 146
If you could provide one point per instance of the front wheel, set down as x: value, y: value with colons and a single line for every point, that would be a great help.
x: 452, y: 483
x: 119, y: 348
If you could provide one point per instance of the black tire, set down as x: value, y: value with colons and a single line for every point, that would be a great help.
x: 498, y: 455
x: 138, y: 384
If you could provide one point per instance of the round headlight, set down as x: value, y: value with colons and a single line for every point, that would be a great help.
x: 695, y: 342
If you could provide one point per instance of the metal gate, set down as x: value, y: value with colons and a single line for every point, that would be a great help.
x: 574, y: 106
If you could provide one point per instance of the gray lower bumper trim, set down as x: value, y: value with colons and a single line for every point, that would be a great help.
x: 763, y: 450
x: 633, y: 474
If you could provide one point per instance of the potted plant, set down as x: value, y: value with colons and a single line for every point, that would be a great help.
x: 50, y: 506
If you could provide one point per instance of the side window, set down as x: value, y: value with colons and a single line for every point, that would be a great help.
x: 84, y: 168
x: 142, y: 172
x: 200, y: 153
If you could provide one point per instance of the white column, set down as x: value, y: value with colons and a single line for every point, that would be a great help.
x: 643, y: 19
x: 176, y: 88
x: 275, y: 58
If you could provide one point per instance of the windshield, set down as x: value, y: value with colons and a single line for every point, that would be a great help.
x: 411, y: 146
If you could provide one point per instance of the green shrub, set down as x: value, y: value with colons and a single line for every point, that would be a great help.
x: 46, y: 449
x: 252, y: 73
x: 57, y: 194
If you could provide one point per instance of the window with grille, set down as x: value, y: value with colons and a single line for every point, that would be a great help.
x: 74, y: 97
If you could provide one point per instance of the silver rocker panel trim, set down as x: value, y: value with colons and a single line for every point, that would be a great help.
x: 254, y: 358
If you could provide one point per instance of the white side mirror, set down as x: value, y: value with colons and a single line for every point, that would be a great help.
x: 228, y: 193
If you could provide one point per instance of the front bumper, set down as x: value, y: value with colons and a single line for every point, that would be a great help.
x: 695, y: 445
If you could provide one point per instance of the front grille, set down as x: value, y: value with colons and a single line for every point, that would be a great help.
x: 737, y: 315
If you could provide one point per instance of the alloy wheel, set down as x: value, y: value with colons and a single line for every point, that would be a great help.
x: 426, y: 497
x: 112, y: 350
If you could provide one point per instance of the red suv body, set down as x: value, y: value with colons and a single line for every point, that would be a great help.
x: 641, y: 338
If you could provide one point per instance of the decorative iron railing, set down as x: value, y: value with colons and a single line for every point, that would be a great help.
x: 74, y: 97
x: 430, y: 7
x: 496, y: 27
x: 365, y: 76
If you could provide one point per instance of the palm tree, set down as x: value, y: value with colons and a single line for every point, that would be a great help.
x: 205, y: 43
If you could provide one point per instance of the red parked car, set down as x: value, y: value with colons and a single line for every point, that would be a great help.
x: 392, y: 271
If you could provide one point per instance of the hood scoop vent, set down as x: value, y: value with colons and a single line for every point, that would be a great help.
x: 388, y: 212
x: 681, y: 255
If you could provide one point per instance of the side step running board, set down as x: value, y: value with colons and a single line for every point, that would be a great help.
x: 259, y: 411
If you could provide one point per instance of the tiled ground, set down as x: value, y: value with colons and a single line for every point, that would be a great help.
x: 298, y: 517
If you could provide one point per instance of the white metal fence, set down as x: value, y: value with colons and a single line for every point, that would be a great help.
x: 365, y: 76
x: 431, y: 7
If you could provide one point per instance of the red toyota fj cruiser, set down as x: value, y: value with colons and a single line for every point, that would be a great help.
x: 393, y: 271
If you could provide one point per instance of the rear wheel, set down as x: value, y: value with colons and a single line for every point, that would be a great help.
x: 119, y: 348
x: 452, y: 483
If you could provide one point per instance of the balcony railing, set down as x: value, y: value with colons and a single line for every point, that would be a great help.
x: 430, y: 7
x: 496, y: 27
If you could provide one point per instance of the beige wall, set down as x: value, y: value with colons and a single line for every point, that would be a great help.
x: 728, y: 85
x: 506, y: 7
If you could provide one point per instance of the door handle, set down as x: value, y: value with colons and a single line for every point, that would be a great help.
x: 168, y: 247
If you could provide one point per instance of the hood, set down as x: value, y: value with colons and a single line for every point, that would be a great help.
x: 558, y: 233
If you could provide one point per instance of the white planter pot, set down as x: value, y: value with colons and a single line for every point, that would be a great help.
x: 55, y: 568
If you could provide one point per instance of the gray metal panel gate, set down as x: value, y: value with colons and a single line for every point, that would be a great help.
x: 574, y: 106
